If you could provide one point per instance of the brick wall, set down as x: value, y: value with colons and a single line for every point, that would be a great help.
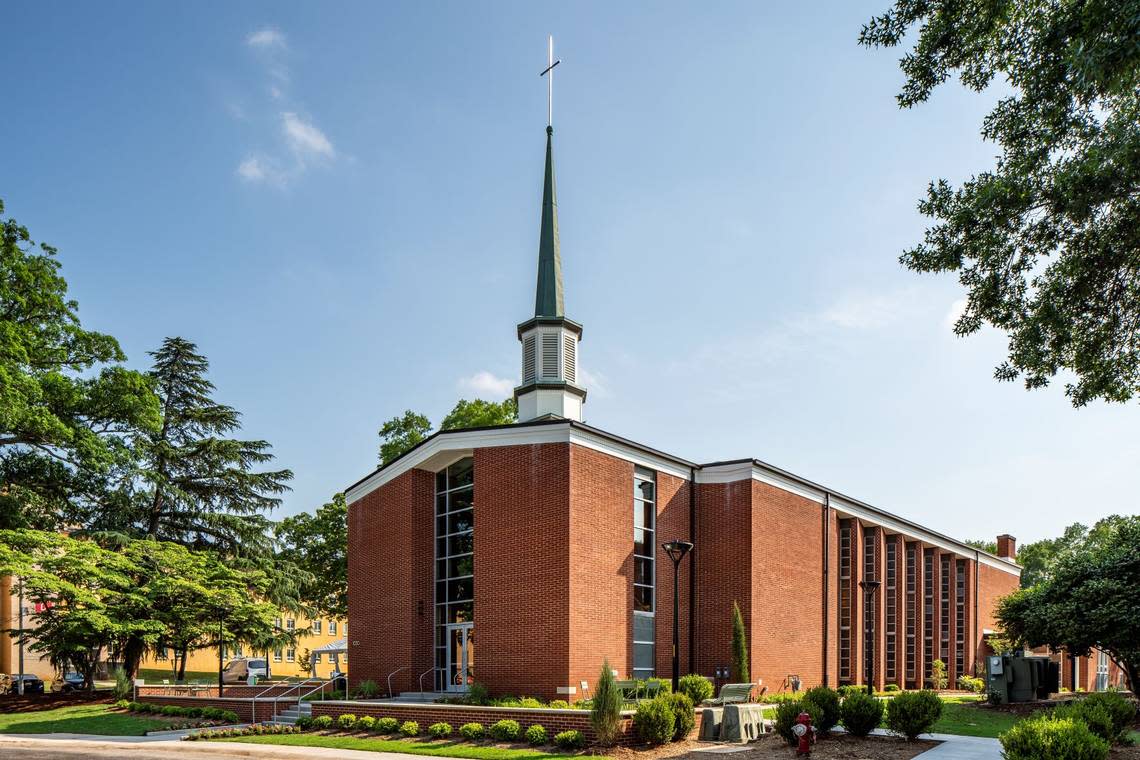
x: 601, y: 565
x: 390, y: 534
x: 522, y: 602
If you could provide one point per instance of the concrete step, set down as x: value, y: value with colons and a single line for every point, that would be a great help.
x: 419, y: 697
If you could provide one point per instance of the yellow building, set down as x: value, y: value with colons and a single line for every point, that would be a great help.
x: 283, y: 663
x: 9, y: 646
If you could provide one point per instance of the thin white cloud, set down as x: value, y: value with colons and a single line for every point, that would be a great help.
x: 304, y: 138
x: 865, y: 312
x: 486, y: 385
x: 252, y: 170
x: 266, y: 38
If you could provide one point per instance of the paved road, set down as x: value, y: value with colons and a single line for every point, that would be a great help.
x: 70, y: 747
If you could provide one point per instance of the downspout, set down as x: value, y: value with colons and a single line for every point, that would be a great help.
x: 693, y: 570
x: 826, y: 578
x: 977, y: 620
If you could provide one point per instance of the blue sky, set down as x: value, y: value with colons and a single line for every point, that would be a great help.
x: 340, y: 205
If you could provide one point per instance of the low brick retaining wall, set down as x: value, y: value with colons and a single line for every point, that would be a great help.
x: 247, y: 709
x: 554, y: 721
x: 240, y: 691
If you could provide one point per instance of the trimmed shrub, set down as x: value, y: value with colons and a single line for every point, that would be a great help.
x: 387, y: 725
x: 1043, y: 737
x: 439, y: 730
x: 739, y: 647
x: 304, y: 723
x: 605, y: 713
x: 506, y: 730
x: 683, y: 716
x: 366, y: 723
x: 654, y: 721
x: 536, y: 735
x: 322, y: 722
x: 229, y: 716
x: 657, y: 685
x: 572, y: 739
x: 697, y: 687
x: 786, y: 715
x: 969, y: 683
x: 827, y: 700
x: 530, y: 703
x: 849, y: 689
x: 472, y: 732
x: 1121, y: 710
x: 913, y: 712
x: 559, y: 704
x: 861, y: 713
x: 347, y: 721
x: 123, y: 704
x: 891, y: 687
x: 410, y: 728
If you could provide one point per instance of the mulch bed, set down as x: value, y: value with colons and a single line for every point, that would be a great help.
x: 52, y: 700
x: 772, y: 747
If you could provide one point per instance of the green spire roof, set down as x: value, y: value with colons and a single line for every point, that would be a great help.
x: 548, y: 296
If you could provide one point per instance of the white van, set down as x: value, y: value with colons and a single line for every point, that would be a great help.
x: 239, y: 669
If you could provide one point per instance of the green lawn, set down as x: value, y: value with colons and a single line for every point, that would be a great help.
x: 435, y: 748
x: 961, y: 717
x: 80, y: 719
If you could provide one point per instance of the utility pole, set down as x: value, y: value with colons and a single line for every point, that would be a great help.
x: 20, y: 675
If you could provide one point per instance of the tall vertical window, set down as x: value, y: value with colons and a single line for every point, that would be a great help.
x: 959, y: 618
x: 845, y: 601
x: 944, y: 617
x: 891, y: 610
x: 644, y: 572
x: 911, y: 613
x: 454, y: 558
x: 928, y: 613
x: 870, y: 573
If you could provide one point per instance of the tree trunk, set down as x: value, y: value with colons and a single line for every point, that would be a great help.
x: 181, y: 665
x: 132, y: 656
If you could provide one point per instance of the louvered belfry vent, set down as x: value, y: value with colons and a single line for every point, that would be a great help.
x: 569, y: 345
x: 528, y: 359
x: 550, y: 355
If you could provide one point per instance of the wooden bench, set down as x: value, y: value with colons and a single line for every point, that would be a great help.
x: 732, y: 693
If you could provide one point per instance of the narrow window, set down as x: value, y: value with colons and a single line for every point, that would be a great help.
x: 644, y: 573
x: 911, y: 613
x: 332, y: 628
x: 870, y: 620
x: 928, y: 613
x: 454, y: 573
x: 845, y: 601
x: 960, y: 618
x: 891, y: 610
x: 944, y: 622
x: 316, y: 628
x: 290, y: 655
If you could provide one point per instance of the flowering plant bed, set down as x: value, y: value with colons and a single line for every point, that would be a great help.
x: 179, y: 717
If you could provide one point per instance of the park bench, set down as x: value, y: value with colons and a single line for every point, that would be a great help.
x: 732, y: 693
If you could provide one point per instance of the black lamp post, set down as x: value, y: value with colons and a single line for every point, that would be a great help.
x: 869, y: 589
x: 676, y: 551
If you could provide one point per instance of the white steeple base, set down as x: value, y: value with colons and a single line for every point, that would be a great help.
x: 544, y: 402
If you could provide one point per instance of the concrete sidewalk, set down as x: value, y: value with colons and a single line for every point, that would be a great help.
x: 962, y: 748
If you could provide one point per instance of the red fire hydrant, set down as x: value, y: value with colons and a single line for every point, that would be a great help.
x: 803, y: 731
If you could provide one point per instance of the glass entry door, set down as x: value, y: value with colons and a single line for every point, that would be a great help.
x: 460, y: 656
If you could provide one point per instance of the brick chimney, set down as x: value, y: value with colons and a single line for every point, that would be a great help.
x: 1007, y: 547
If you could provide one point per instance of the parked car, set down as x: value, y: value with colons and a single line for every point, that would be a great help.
x: 68, y: 682
x: 32, y: 684
x: 239, y: 669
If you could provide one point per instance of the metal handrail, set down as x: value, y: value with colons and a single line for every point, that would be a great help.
x: 394, y: 672
x: 421, y: 680
x: 270, y: 687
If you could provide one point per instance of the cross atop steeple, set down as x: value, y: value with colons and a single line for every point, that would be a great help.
x: 550, y: 64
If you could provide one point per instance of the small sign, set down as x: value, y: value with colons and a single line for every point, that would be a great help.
x: 140, y: 682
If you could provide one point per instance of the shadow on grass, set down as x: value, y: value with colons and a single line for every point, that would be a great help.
x: 85, y: 719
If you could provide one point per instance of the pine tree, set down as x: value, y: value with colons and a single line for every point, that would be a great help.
x: 605, y: 713
x: 201, y: 489
x: 739, y: 647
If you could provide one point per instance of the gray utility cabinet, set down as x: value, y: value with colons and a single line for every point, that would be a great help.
x: 1019, y: 677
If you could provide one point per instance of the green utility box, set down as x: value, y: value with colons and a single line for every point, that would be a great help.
x: 1019, y: 677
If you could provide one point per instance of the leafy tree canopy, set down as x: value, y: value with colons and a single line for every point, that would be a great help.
x: 318, y: 544
x: 400, y: 434
x: 1047, y: 244
x: 1088, y: 600
x: 66, y: 406
x: 986, y: 546
x: 1038, y: 558
x: 97, y: 601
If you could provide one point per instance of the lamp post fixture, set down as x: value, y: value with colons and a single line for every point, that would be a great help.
x: 869, y: 589
x: 676, y: 551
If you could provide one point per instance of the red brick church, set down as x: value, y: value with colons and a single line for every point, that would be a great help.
x: 520, y: 556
